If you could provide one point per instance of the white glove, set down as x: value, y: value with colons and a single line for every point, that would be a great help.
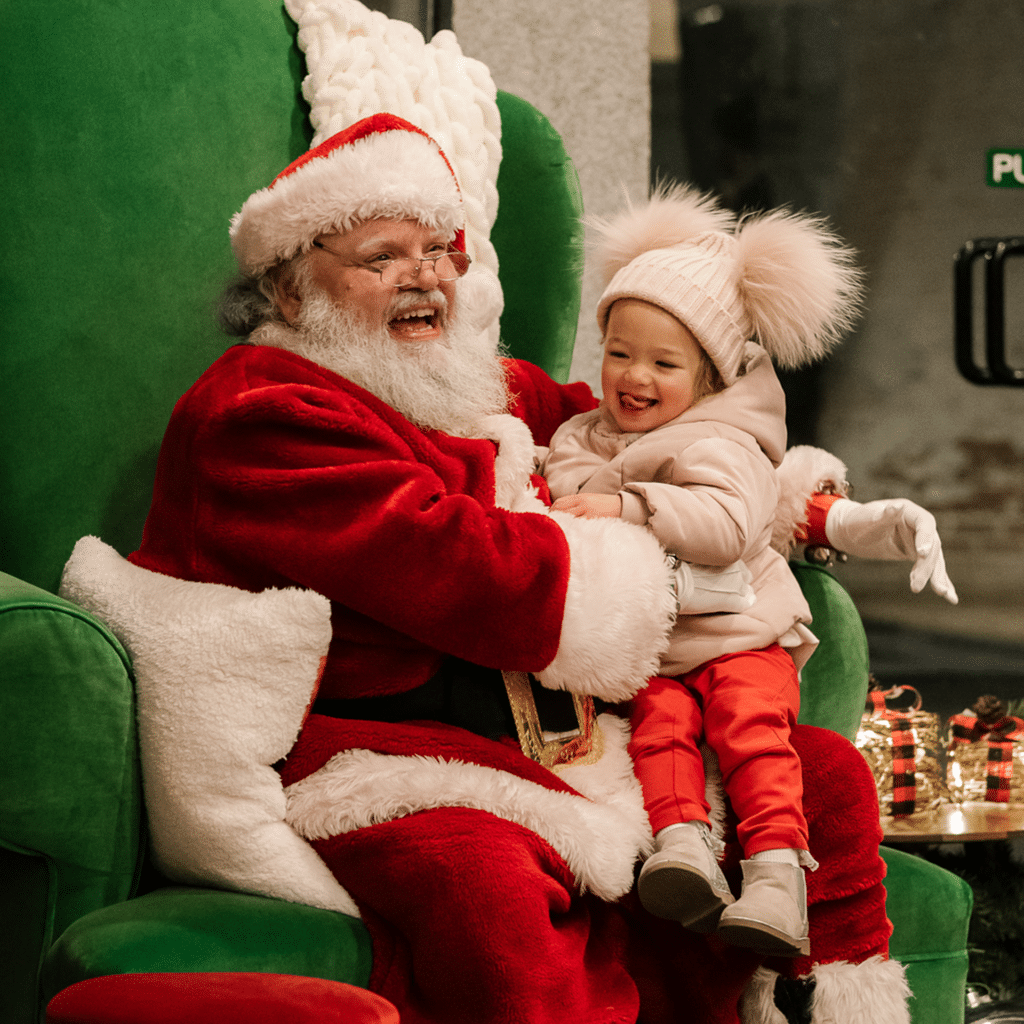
x: 892, y: 529
x: 702, y: 589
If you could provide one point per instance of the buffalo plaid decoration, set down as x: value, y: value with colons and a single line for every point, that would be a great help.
x: 1000, y: 735
x: 904, y: 745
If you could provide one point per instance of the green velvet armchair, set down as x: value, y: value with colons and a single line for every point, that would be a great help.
x: 131, y: 139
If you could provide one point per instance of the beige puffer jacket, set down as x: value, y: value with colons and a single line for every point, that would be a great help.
x: 705, y: 484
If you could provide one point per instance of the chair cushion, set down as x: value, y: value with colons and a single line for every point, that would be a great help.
x: 224, y: 679
x: 187, y: 929
x: 216, y: 999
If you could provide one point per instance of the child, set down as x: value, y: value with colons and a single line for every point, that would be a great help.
x: 686, y: 441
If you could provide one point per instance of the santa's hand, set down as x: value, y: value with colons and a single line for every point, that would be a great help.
x: 703, y: 589
x: 893, y: 529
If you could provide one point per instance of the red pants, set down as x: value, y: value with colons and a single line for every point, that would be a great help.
x: 744, y: 706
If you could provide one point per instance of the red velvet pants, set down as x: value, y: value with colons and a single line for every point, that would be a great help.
x: 744, y: 706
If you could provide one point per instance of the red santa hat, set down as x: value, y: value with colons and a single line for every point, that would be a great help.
x: 780, y: 279
x: 381, y: 166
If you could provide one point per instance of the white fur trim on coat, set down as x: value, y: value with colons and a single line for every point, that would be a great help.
x: 600, y: 839
x: 513, y: 465
x: 872, y: 992
x: 619, y: 609
x: 757, y: 1004
x: 223, y: 681
x: 803, y: 471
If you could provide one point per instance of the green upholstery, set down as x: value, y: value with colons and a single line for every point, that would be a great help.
x: 538, y: 226
x: 131, y: 137
x: 930, y: 908
x: 930, y: 912
x: 183, y: 929
x: 71, y: 804
x: 130, y: 141
x: 834, y: 683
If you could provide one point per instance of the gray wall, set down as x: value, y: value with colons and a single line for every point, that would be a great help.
x: 585, y: 66
x: 878, y: 114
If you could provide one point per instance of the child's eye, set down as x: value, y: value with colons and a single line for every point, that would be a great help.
x: 616, y: 355
x: 667, y: 366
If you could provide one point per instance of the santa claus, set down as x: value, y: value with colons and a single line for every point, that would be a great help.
x: 366, y: 441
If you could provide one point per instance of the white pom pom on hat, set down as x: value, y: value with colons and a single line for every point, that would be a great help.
x: 779, y: 278
x: 382, y: 166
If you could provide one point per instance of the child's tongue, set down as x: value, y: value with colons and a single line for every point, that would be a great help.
x: 636, y: 403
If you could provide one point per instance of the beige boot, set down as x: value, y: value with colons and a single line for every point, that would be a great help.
x: 682, y: 881
x: 771, y: 914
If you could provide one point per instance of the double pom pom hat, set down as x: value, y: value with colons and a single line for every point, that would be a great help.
x: 780, y: 279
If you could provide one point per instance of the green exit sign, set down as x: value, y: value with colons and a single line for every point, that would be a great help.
x: 1006, y: 168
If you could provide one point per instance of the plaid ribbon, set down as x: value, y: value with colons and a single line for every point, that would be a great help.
x: 999, y: 735
x: 904, y: 746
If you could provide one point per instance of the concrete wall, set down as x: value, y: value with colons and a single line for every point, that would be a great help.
x: 585, y: 65
x: 929, y: 89
x: 896, y: 105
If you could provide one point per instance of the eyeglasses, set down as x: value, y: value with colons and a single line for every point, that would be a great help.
x: 397, y: 273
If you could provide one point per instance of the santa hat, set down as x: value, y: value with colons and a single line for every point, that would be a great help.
x: 779, y: 278
x: 381, y: 166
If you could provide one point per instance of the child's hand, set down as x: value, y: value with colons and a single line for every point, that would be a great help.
x: 590, y: 506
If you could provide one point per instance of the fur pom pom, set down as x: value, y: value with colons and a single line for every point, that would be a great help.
x: 798, y: 283
x: 673, y: 214
x: 803, y: 471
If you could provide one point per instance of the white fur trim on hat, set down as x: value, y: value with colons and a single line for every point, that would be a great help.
x: 381, y: 167
x: 779, y: 278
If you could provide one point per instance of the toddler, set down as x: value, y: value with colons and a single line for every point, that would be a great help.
x: 686, y: 441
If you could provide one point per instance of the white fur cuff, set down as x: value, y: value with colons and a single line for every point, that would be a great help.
x: 619, y: 609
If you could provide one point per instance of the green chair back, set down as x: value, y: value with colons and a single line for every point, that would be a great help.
x: 130, y: 140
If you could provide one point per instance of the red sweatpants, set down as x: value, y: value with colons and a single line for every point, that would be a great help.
x: 744, y: 706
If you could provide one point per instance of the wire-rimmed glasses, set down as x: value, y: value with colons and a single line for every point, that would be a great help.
x: 397, y: 273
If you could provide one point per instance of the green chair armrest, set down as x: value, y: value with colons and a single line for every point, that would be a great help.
x: 182, y: 929
x: 71, y: 832
x: 930, y: 909
x: 834, y: 683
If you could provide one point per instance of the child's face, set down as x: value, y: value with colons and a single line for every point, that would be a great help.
x: 651, y: 361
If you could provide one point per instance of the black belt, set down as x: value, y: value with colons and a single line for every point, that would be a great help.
x: 459, y: 693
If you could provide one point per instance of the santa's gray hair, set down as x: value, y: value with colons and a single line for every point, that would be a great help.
x: 249, y: 302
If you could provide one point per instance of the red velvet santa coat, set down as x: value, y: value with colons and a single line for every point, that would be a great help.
x: 276, y: 472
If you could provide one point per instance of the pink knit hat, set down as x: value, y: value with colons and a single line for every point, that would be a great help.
x: 780, y: 279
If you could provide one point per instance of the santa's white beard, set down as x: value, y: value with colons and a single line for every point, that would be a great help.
x: 447, y: 384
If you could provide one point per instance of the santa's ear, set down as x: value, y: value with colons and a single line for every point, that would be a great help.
x: 284, y: 285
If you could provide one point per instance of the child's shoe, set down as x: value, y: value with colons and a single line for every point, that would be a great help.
x: 682, y: 881
x: 771, y: 914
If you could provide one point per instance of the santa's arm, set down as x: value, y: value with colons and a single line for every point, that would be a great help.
x: 815, y: 512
